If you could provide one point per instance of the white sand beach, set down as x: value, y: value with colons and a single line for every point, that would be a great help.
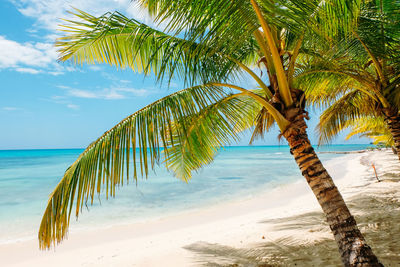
x: 239, y: 233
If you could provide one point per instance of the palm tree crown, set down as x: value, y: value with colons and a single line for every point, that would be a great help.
x: 359, y: 76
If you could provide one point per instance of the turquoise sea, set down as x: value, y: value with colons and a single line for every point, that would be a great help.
x: 27, y: 177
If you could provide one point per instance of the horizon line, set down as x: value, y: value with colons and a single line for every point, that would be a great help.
x: 82, y: 148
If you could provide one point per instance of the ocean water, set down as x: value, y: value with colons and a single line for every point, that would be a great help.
x: 27, y: 177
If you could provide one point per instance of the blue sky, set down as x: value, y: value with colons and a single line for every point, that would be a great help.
x: 46, y: 104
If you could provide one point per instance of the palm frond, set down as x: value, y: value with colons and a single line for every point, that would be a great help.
x: 329, y: 18
x: 264, y: 121
x: 127, y: 43
x: 323, y: 85
x: 213, y: 127
x: 373, y: 127
x: 105, y: 163
x: 348, y: 107
x: 212, y: 20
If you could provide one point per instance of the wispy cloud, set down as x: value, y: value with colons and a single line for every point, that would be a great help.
x: 62, y: 100
x: 82, y: 93
x: 95, y: 67
x: 109, y: 93
x: 125, y: 81
x: 28, y: 70
x: 10, y: 108
x: 73, y: 106
x: 136, y: 92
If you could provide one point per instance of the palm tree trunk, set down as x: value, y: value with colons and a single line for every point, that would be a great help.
x: 392, y: 119
x: 352, y: 246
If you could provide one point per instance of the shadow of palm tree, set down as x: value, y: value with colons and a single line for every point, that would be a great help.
x: 282, y: 252
x: 378, y: 216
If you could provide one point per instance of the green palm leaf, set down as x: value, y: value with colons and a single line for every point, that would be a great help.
x: 116, y: 40
x: 105, y: 162
x: 348, y: 107
x: 264, y: 121
x: 372, y: 127
x: 213, y: 127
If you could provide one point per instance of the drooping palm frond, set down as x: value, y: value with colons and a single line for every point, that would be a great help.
x: 166, y: 123
x: 208, y: 130
x: 373, y: 127
x: 116, y: 40
x: 348, y: 107
x: 263, y: 123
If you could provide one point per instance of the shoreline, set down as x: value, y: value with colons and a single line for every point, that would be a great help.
x: 274, y: 188
x: 238, y: 223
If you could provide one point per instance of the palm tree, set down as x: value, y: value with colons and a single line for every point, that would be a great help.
x: 212, y: 44
x: 359, y: 76
x: 371, y: 127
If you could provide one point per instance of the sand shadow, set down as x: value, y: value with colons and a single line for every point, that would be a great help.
x: 378, y: 216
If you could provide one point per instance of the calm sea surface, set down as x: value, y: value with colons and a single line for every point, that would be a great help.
x: 27, y: 177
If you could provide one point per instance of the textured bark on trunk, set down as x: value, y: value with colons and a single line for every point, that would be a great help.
x: 392, y: 119
x: 352, y: 246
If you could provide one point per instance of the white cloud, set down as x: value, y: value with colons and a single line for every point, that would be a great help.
x: 112, y: 93
x: 63, y: 87
x: 30, y: 57
x: 55, y: 73
x: 28, y: 70
x: 95, y: 67
x: 135, y: 92
x: 82, y: 93
x: 124, y: 81
x: 73, y: 106
x: 10, y: 108
x: 40, y: 57
x: 62, y: 100
x: 14, y: 54
x: 48, y: 13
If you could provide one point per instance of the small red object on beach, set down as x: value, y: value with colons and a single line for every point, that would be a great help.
x: 376, y: 175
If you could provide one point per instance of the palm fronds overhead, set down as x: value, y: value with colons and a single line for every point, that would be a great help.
x: 127, y: 43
